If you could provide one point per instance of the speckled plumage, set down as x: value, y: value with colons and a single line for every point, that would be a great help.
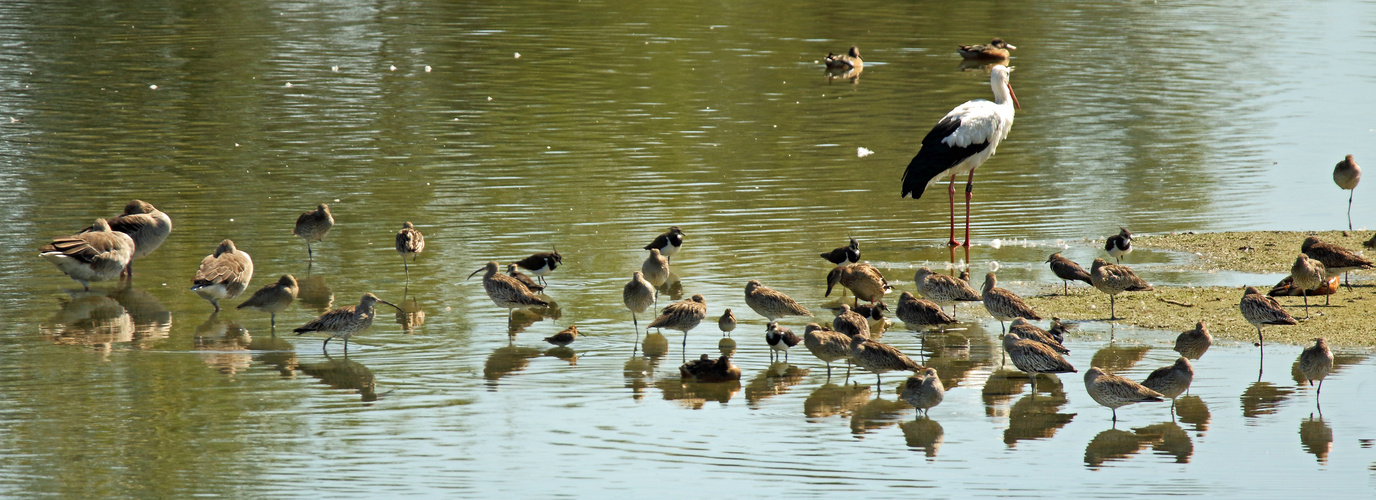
x: 273, y: 298
x: 1171, y: 381
x: 1114, y: 279
x: 1114, y: 391
x: 683, y: 316
x: 827, y: 345
x: 1316, y: 362
x: 564, y: 337
x: 96, y: 255
x: 1193, y: 343
x: 850, y: 323
x: 944, y: 290
x: 1336, y: 259
x: 410, y: 243
x: 1307, y: 273
x: 345, y: 321
x: 507, y: 292
x: 863, y: 281
x: 145, y: 224
x: 918, y: 313
x: 224, y: 274
x: 924, y: 391
x: 655, y: 268
x: 1260, y: 310
x: 1004, y: 305
x: 525, y: 279
x: 637, y: 295
x: 1034, y: 357
x: 1030, y: 331
x: 771, y: 303
x: 313, y: 226
x: 878, y: 357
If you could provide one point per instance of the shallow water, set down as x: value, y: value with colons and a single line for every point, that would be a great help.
x: 617, y: 121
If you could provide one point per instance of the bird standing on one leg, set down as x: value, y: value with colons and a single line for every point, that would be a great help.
x: 1260, y: 310
x: 1067, y: 270
x: 313, y: 226
x: 1346, y: 174
x: 273, y: 298
x: 960, y: 143
x: 409, y: 244
x: 1315, y: 363
x: 638, y: 295
x: 1307, y: 274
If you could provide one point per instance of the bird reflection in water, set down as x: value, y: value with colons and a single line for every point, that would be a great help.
x: 876, y: 414
x: 1192, y: 410
x: 1000, y: 388
x: 673, y: 288
x: 923, y: 434
x: 655, y: 345
x: 835, y: 400
x: 565, y: 353
x: 1165, y: 438
x: 505, y: 361
x: 521, y: 319
x: 695, y: 395
x: 1118, y: 358
x: 1263, y: 398
x: 410, y: 315
x: 152, y: 320
x: 773, y: 381
x: 275, y: 352
x: 343, y: 373
x: 223, y: 345
x: 1316, y: 437
x: 727, y: 346
x: 314, y: 293
x: 639, y: 371
x: 1036, y: 416
x: 89, y: 318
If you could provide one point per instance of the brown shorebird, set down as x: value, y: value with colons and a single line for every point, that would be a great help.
x: 273, y: 298
x: 771, y: 303
x: 1171, y: 381
x: 871, y: 312
x: 1316, y: 362
x: 727, y: 322
x: 655, y: 269
x: 145, y: 224
x: 524, y: 278
x: 1114, y: 391
x: 542, y: 263
x: 638, y: 295
x: 1114, y: 279
x: 1336, y: 260
x: 850, y: 61
x: 667, y: 243
x: 826, y: 344
x: 1371, y: 243
x: 223, y: 274
x: 1307, y: 273
x: 683, y: 315
x: 1286, y: 288
x: 313, y: 226
x: 1034, y: 357
x: 918, y: 313
x: 1029, y: 331
x: 878, y: 357
x: 1192, y: 344
x: 1058, y: 329
x: 924, y: 390
x: 1067, y: 270
x: 704, y: 369
x: 98, y: 255
x: 863, y: 280
x: 844, y: 255
x: 409, y: 244
x: 850, y: 323
x: 997, y: 49
x: 1260, y: 310
x: 944, y: 290
x: 1003, y: 304
x: 564, y: 337
x: 345, y: 321
x: 506, y: 291
x: 1346, y: 174
x: 1119, y: 245
x: 779, y: 340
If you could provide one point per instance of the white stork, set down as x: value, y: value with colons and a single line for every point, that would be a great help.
x: 960, y: 143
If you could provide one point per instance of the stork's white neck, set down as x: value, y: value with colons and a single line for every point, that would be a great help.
x: 998, y: 82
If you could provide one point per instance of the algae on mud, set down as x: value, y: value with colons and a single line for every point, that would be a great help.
x: 1345, y: 322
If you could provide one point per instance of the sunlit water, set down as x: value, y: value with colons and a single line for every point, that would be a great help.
x: 615, y: 122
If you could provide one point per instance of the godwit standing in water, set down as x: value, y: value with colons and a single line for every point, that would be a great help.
x: 541, y: 263
x: 1260, y: 310
x: 863, y: 280
x: 1346, y: 174
x: 273, y: 298
x: 844, y: 255
x: 667, y: 243
x: 1029, y: 331
x: 410, y: 243
x: 313, y: 226
x: 506, y: 291
x: 845, y: 62
x: 960, y: 143
x: 1307, y: 273
x: 1336, y: 260
x: 878, y: 357
x: 917, y: 313
x: 727, y: 323
x: 1119, y: 245
x: 1114, y: 391
x: 1034, y: 357
x: 997, y: 49
x: 97, y: 255
x: 143, y: 222
x: 779, y: 339
x: 1192, y: 343
x: 345, y: 321
x: 683, y: 316
x: 771, y: 303
x: 1171, y: 381
x: 223, y: 275
x: 1114, y: 279
x: 1003, y: 304
x: 850, y: 323
x: 944, y: 290
x: 924, y: 391
x: 1067, y: 270
x: 638, y: 295
x: 1316, y: 362
x: 827, y: 345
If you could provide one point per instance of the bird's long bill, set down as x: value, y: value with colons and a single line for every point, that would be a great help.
x: 476, y: 272
x: 1015, y: 96
x: 391, y: 304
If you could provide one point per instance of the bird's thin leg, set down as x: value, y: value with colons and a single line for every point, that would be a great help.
x: 635, y: 322
x: 951, y: 190
x: 1349, y: 208
x: 1115, y: 415
x: 1260, y: 341
x: 969, y: 194
x: 326, y: 344
x: 1112, y: 302
x: 407, y: 268
x: 1002, y: 328
x: 309, y: 254
x: 1033, y: 376
x: 1065, y: 286
x: 1305, y: 293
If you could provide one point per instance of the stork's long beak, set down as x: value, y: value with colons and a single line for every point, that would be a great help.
x: 1015, y: 96
x: 476, y: 272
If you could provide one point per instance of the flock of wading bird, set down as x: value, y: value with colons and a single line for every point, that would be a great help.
x: 959, y: 143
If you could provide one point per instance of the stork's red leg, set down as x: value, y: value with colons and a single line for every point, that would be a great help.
x: 969, y: 193
x: 951, y: 190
